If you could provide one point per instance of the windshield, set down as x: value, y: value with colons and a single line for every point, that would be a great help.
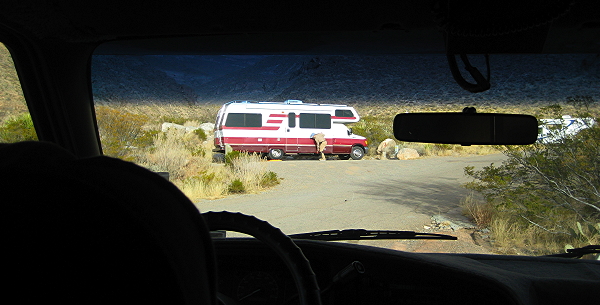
x: 241, y: 133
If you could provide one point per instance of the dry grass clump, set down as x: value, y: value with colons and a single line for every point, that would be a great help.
x: 208, y: 184
x: 186, y: 156
x: 481, y: 213
x: 508, y: 234
x: 511, y: 236
x: 514, y: 235
x: 245, y: 173
x: 169, y: 153
x: 194, y: 172
x: 440, y: 150
x: 250, y: 170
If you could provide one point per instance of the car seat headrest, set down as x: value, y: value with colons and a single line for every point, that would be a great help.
x: 99, y: 230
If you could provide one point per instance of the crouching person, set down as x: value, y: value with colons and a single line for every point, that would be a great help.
x: 320, y: 143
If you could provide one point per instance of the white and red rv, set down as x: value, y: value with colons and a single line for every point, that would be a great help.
x: 285, y: 128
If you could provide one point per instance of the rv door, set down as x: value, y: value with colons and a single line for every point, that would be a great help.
x: 218, y: 131
x: 291, y: 134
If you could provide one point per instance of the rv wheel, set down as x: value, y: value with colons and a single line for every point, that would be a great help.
x: 275, y: 154
x: 357, y: 153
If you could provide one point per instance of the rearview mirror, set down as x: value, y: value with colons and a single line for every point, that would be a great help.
x: 466, y: 128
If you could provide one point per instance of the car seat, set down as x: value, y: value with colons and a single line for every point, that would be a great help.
x: 98, y: 230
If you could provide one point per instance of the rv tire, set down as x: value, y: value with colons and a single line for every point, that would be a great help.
x: 357, y: 153
x: 275, y: 154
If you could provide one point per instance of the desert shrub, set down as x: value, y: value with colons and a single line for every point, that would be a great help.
x: 168, y: 153
x: 19, y: 128
x: 201, y: 134
x: 123, y: 133
x: 546, y: 187
x: 198, y: 151
x: 200, y: 187
x: 236, y: 187
x: 269, y: 179
x: 208, y: 178
x: 173, y: 119
x: 589, y: 234
x: 481, y: 213
x: 249, y: 169
x: 231, y: 156
x: 375, y: 129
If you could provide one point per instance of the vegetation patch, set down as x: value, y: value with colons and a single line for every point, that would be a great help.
x: 237, y: 186
x: 546, y: 194
x: 17, y: 129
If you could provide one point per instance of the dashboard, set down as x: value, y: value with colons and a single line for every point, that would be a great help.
x: 251, y: 273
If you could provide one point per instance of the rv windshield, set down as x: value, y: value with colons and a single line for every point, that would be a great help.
x: 247, y: 133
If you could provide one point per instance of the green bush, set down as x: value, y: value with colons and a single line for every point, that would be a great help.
x: 375, y: 129
x: 122, y: 133
x: 236, y: 187
x: 197, y: 151
x: 269, y: 179
x: 201, y: 134
x: 230, y: 156
x: 587, y: 235
x: 18, y: 129
x: 174, y: 120
x: 208, y: 178
x: 547, y: 185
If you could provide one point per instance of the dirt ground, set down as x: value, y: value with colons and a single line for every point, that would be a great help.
x: 401, y: 195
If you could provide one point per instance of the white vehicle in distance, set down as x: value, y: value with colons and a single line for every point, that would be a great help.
x: 552, y: 130
x: 285, y: 128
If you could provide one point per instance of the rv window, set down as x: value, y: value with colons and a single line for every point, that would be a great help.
x: 344, y: 113
x: 244, y: 120
x: 315, y: 120
x: 291, y: 119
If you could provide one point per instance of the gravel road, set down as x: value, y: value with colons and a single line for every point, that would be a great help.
x: 366, y: 194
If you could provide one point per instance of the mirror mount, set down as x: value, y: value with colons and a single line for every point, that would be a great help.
x: 481, y: 83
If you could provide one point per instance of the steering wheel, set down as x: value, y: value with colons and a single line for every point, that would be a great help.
x: 286, y: 249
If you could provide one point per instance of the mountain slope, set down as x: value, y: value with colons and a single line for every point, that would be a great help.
x: 12, y: 101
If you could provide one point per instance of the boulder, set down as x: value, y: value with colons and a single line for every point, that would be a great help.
x: 166, y: 126
x: 386, y: 148
x: 407, y: 154
x: 208, y: 127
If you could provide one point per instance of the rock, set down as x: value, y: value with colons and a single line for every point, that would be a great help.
x: 166, y: 126
x: 407, y: 154
x: 208, y: 127
x: 444, y: 223
x: 386, y: 148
